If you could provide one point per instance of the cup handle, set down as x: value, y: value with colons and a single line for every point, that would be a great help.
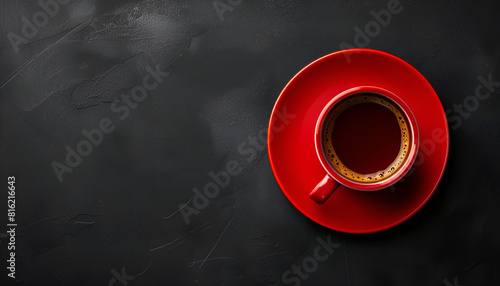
x: 324, y: 189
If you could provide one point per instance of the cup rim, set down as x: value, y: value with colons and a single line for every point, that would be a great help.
x: 368, y: 186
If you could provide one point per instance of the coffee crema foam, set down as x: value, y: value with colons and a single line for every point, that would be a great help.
x: 329, y: 150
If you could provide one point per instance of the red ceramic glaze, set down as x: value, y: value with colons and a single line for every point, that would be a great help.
x: 325, y: 188
x: 292, y: 148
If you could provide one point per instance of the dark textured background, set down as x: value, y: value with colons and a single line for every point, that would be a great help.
x: 117, y: 209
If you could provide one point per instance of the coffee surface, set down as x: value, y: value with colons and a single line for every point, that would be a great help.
x: 366, y: 138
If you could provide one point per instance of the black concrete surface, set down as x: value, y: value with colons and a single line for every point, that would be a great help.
x: 213, y: 70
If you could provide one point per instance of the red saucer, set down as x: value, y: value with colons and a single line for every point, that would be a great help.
x: 292, y: 150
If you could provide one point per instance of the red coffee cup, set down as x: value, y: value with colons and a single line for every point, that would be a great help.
x: 357, y: 141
